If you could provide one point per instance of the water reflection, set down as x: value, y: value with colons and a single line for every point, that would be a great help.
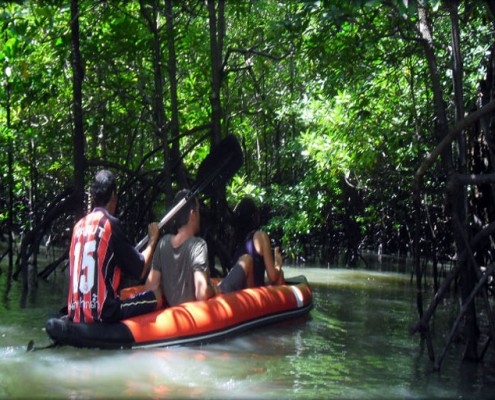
x: 355, y: 344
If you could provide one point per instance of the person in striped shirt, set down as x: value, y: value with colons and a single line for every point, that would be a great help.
x: 99, y: 253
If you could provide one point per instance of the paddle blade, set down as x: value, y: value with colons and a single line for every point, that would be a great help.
x: 219, y: 166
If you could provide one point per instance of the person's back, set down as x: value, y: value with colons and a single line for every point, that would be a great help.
x: 178, y: 265
x: 90, y: 298
x: 256, y: 243
x: 99, y: 252
x: 248, y: 247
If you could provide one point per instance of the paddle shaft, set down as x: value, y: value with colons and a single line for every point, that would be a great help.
x: 165, y: 219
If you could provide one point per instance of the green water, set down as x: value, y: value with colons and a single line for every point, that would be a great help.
x: 354, y: 345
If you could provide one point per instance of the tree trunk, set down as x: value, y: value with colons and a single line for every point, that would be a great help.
x: 424, y: 30
x: 172, y: 76
x: 215, y: 233
x: 217, y: 32
x: 456, y: 193
x: 491, y: 6
x: 467, y: 281
x: 79, y: 139
x: 159, y: 109
x: 10, y: 220
x: 440, y: 111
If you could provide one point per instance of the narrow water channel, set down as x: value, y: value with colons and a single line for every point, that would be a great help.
x: 354, y: 345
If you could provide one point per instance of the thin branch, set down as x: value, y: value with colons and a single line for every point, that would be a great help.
x: 447, y: 140
x: 462, y: 312
x: 422, y: 324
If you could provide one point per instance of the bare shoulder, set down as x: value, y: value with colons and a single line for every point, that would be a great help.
x: 261, y: 236
x: 261, y: 241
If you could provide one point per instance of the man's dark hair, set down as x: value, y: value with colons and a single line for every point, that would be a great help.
x: 182, y: 216
x: 102, y: 187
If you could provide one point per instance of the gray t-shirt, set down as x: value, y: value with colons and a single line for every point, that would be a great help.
x: 177, y: 267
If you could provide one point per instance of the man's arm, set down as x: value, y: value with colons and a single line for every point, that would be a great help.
x: 273, y: 265
x: 153, y: 281
x: 204, y: 289
x: 153, y: 234
x: 128, y: 257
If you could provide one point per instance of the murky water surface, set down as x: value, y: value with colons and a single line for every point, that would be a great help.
x: 354, y: 345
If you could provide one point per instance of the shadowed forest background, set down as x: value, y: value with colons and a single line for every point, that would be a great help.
x: 365, y: 126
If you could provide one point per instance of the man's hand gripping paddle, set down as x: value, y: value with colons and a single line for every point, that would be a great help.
x: 219, y: 166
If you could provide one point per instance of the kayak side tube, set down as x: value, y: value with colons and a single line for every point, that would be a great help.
x: 98, y: 335
x: 221, y: 316
x: 194, y: 322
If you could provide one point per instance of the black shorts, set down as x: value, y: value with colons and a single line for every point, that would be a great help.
x: 234, y: 281
x: 141, y: 303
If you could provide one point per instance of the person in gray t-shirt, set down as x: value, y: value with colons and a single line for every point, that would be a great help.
x: 180, y: 262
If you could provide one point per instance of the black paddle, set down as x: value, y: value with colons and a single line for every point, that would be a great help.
x: 219, y: 166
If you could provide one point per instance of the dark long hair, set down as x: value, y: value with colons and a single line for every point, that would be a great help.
x: 246, y: 219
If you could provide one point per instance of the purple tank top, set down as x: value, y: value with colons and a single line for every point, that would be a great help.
x: 258, y: 261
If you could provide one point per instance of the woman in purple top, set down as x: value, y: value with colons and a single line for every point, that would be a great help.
x: 253, y: 241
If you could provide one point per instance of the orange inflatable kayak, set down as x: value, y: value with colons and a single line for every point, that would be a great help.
x: 191, y: 323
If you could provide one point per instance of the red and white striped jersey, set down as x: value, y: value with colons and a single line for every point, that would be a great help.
x: 99, y: 250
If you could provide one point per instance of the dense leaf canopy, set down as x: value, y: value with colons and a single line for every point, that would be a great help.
x: 333, y: 105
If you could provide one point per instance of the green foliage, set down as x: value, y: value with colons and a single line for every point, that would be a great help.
x: 240, y: 187
x: 331, y: 100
